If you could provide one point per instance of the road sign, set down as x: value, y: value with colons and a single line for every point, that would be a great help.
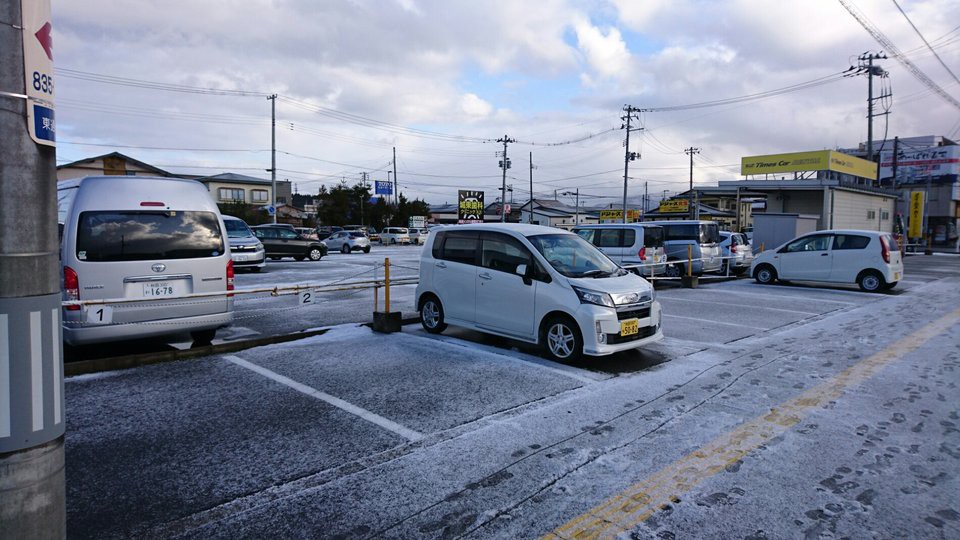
x: 384, y: 187
x: 418, y: 222
x: 270, y: 210
x: 38, y: 69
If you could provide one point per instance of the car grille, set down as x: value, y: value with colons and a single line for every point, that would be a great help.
x: 239, y: 249
x: 645, y: 332
x: 639, y: 313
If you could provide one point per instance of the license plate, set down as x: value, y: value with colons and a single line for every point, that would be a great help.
x: 629, y: 327
x: 896, y: 276
x: 153, y: 290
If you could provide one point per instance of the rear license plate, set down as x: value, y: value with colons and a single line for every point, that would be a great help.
x: 896, y: 276
x: 161, y: 289
x: 629, y: 327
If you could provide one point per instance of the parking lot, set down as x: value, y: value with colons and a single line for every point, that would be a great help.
x: 767, y: 411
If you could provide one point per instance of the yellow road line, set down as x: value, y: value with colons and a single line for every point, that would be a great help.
x: 629, y: 508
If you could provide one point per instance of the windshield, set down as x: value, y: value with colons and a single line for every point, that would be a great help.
x: 237, y: 228
x: 704, y: 233
x: 572, y: 256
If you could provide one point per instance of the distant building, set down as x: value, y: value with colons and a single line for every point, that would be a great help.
x: 228, y: 188
x: 110, y: 164
x: 553, y: 213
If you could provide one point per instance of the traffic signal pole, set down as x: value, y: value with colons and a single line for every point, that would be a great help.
x: 32, y: 495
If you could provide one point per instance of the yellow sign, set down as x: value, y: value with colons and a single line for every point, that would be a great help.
x: 617, y: 215
x: 674, y: 206
x: 915, y: 230
x: 821, y: 160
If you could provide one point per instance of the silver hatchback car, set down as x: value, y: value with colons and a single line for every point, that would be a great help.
x: 348, y: 241
x: 736, y: 251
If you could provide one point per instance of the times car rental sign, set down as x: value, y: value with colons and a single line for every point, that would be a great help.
x: 38, y: 68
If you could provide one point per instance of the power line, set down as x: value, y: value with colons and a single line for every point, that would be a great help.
x: 915, y: 29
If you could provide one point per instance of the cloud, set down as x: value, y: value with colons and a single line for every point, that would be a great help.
x: 605, y: 52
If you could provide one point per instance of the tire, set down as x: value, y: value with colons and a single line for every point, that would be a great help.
x: 299, y: 258
x: 673, y: 270
x: 871, y: 281
x: 255, y: 269
x: 345, y: 249
x: 561, y: 339
x: 431, y: 315
x: 366, y: 249
x: 765, y: 274
x: 890, y: 286
x: 315, y: 254
x: 203, y: 337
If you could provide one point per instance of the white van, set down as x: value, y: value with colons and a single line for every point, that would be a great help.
x: 636, y: 247
x: 536, y: 284
x: 395, y: 235
x: 142, y: 238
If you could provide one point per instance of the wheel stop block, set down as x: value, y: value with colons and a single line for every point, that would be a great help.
x: 387, y: 323
x: 689, y: 282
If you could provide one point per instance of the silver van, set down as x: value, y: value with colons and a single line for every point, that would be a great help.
x: 631, y: 245
x: 149, y: 240
x: 703, y: 238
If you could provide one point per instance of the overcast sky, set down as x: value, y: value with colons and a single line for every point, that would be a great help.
x: 357, y: 78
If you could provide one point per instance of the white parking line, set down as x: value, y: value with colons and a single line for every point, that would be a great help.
x: 778, y: 294
x: 710, y: 321
x: 374, y: 418
x: 671, y: 298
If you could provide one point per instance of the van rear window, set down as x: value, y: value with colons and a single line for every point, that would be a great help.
x: 139, y: 236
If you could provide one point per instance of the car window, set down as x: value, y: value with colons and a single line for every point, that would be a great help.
x: 587, y: 234
x: 357, y: 235
x: 236, y: 228
x: 850, y: 241
x: 461, y: 248
x: 572, y: 256
x: 682, y: 232
x: 629, y: 237
x: 287, y: 234
x: 503, y: 253
x: 818, y: 242
x: 138, y: 236
x: 609, y: 238
x: 437, y: 244
x: 652, y: 237
x: 891, y: 242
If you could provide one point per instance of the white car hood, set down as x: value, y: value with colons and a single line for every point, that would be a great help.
x: 629, y: 283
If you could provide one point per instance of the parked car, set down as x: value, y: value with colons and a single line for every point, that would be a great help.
x: 323, y: 232
x: 348, y: 241
x: 395, y: 235
x: 281, y: 242
x: 736, y: 251
x: 307, y: 232
x: 373, y: 235
x: 287, y: 226
x: 418, y: 236
x: 633, y: 246
x: 703, y: 238
x: 142, y: 237
x: 245, y: 250
x: 536, y: 284
x: 871, y: 259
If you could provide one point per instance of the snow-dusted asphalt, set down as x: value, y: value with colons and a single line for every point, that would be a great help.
x: 768, y: 412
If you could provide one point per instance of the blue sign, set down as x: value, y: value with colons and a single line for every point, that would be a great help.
x: 384, y: 187
x: 270, y: 210
x: 44, y: 125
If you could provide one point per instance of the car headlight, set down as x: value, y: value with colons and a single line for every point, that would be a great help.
x: 594, y: 297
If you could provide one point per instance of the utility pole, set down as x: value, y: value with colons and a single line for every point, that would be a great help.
x: 531, y: 187
x: 646, y: 197
x: 396, y: 194
x: 576, y: 210
x: 690, y: 152
x: 865, y: 66
x: 273, y: 152
x: 896, y: 159
x: 629, y: 114
x: 504, y: 164
x: 32, y: 496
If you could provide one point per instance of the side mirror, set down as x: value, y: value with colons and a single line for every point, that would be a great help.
x: 521, y: 270
x: 524, y: 272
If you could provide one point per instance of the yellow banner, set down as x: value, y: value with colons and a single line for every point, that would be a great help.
x: 617, y: 215
x: 821, y: 160
x: 915, y: 230
x: 675, y: 206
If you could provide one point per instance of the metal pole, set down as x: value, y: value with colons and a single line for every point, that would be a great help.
x: 396, y: 192
x: 531, y: 187
x: 386, y: 285
x: 626, y: 162
x: 503, y: 189
x: 32, y: 490
x: 870, y: 108
x: 576, y: 218
x: 273, y: 152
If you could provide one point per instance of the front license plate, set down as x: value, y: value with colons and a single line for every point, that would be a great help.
x: 161, y: 289
x: 629, y: 327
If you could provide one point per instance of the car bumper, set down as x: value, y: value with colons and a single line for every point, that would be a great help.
x: 80, y: 334
x: 248, y: 260
x: 608, y: 340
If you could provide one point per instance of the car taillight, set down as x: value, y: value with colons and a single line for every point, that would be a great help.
x: 230, y: 276
x: 733, y: 248
x: 884, y: 250
x: 642, y: 253
x: 71, y: 286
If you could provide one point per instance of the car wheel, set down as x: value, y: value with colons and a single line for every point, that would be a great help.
x: 345, y: 249
x: 870, y: 281
x: 203, y: 337
x: 765, y: 274
x: 890, y: 286
x: 431, y: 315
x: 672, y: 270
x: 315, y: 254
x: 366, y: 249
x: 299, y: 258
x: 561, y: 339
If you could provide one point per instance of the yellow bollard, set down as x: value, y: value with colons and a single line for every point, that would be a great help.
x: 689, y: 260
x: 386, y: 285
x: 761, y: 247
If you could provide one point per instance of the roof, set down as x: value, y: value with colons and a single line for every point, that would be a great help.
x: 704, y: 211
x: 80, y: 163
x: 524, y: 229
x: 234, y: 178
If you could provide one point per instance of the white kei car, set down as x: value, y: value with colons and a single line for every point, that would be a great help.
x: 536, y: 284
x: 870, y: 259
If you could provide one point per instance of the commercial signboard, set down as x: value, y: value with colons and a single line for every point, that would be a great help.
x: 821, y: 160
x: 383, y: 187
x: 38, y: 68
x: 417, y: 222
x: 938, y: 165
x: 915, y: 229
x: 616, y: 216
x: 673, y: 206
x: 469, y: 206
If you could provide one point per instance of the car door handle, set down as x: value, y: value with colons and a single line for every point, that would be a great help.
x: 824, y: 254
x: 484, y: 276
x: 441, y: 265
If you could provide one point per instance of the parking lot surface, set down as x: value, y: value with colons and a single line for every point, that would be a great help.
x: 767, y: 411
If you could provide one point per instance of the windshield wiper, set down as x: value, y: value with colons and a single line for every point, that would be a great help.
x: 596, y: 273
